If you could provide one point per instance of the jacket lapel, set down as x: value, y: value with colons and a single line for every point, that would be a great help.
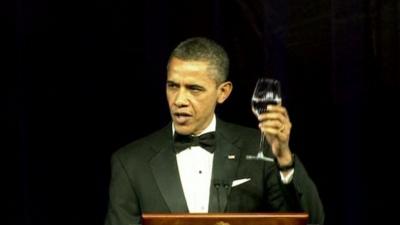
x: 226, y: 160
x: 166, y: 173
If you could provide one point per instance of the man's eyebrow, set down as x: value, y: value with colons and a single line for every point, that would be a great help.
x: 171, y: 82
x: 195, y: 86
x: 189, y: 86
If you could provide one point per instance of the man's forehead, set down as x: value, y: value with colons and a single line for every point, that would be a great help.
x: 188, y: 79
x: 177, y: 65
x: 203, y: 80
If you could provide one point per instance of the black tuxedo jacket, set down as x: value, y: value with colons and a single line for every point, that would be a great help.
x: 145, y: 179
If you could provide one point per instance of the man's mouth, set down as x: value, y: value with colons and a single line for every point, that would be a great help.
x: 182, y: 117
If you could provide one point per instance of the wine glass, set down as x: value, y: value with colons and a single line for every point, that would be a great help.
x: 267, y: 92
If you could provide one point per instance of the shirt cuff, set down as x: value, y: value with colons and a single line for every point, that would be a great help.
x: 288, y: 178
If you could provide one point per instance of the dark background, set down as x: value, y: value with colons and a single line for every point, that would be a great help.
x: 83, y: 78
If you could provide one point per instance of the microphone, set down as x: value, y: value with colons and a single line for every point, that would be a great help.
x: 223, y: 188
x: 217, y: 186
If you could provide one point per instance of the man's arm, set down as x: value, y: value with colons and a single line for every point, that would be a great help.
x: 123, y: 207
x: 307, y: 194
x: 300, y: 193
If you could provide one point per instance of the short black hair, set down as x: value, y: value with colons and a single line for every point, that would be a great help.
x: 204, y: 49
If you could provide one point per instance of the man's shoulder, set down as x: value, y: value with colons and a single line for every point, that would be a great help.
x: 236, y: 130
x: 146, y: 145
x: 244, y: 138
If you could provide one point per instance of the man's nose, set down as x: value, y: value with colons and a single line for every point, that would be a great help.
x: 181, y: 98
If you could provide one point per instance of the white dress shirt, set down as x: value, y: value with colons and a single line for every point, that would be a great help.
x: 195, y: 170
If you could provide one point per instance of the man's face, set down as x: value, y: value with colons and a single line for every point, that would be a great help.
x: 192, y: 95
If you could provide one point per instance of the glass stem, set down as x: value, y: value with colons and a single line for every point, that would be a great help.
x: 262, y: 140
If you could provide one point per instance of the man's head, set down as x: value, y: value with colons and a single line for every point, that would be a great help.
x: 196, y: 82
x: 203, y: 49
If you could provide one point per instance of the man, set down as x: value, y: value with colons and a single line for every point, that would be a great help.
x: 165, y: 173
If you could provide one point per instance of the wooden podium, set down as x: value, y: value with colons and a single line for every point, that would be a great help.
x: 226, y: 219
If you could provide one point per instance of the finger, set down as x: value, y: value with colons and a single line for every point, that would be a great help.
x: 278, y: 109
x: 271, y: 131
x: 276, y: 129
x: 272, y: 116
x: 271, y: 134
x: 276, y: 124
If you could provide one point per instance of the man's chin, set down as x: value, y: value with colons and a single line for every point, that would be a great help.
x: 183, y: 129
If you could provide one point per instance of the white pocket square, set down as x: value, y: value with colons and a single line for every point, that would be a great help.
x: 240, y: 181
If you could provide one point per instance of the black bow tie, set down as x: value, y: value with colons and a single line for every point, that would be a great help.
x: 206, y: 141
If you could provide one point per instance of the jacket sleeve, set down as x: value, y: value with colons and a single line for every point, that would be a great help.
x: 123, y: 206
x: 307, y: 194
x: 275, y: 194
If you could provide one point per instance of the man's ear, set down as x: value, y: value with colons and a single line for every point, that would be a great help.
x: 224, y: 90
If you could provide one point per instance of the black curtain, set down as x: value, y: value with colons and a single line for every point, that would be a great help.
x: 83, y: 78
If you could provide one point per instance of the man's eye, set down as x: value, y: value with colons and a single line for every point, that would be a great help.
x: 196, y: 88
x: 172, y: 86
